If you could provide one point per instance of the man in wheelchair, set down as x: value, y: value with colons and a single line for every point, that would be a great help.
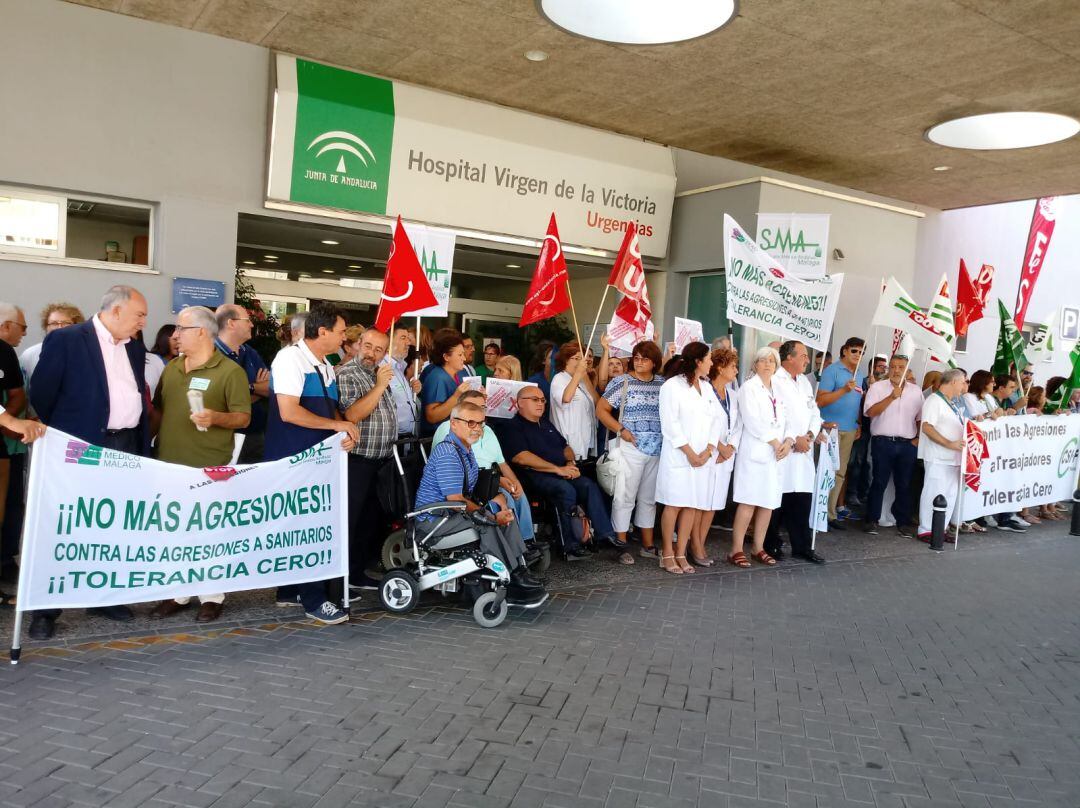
x: 451, y: 475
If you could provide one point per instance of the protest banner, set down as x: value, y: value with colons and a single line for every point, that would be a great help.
x: 799, y: 241
x: 687, y: 331
x: 502, y: 397
x: 474, y: 382
x: 434, y: 248
x: 107, y: 528
x: 761, y: 294
x: 824, y: 480
x: 1031, y: 461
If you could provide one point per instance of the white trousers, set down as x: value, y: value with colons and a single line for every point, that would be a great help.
x: 638, y: 489
x: 202, y: 599
x: 940, y: 479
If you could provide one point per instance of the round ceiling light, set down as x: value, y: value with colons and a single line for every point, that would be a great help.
x: 536, y: 55
x: 1004, y: 130
x: 638, y: 22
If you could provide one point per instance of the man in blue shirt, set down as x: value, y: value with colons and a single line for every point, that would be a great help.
x: 548, y: 466
x: 450, y: 476
x: 839, y: 398
x: 234, y: 331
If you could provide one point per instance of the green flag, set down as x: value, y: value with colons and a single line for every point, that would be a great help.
x: 1072, y: 383
x: 1010, y: 347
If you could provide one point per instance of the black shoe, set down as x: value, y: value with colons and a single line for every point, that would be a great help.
x: 521, y: 581
x: 810, y: 556
x: 525, y: 574
x: 121, y: 614
x: 836, y: 524
x: 614, y: 541
x: 42, y: 627
x: 576, y: 553
x: 870, y: 527
x: 776, y: 553
x: 1011, y: 525
x: 363, y: 582
x: 906, y: 531
x: 524, y: 597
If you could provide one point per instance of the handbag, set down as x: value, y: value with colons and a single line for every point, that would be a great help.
x: 610, y: 469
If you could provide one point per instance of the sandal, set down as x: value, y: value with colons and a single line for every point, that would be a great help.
x: 626, y: 559
x: 739, y: 560
x: 674, y: 569
x: 764, y: 558
x: 701, y: 562
x: 686, y: 568
x: 976, y: 527
x: 6, y: 601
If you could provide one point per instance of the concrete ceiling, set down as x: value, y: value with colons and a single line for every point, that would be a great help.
x: 835, y: 90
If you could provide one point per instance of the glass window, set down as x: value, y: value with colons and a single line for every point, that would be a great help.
x: 31, y: 224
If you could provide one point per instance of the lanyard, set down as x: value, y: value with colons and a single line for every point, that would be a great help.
x: 953, y: 407
x: 726, y: 404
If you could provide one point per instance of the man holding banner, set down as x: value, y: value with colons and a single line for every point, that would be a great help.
x: 941, y: 445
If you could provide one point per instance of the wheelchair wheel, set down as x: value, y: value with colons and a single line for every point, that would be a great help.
x: 486, y: 613
x: 398, y: 592
x: 545, y: 558
x: 395, y: 551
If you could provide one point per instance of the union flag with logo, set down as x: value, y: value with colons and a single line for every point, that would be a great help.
x: 405, y: 286
x: 976, y: 452
x: 549, y: 292
x: 628, y: 273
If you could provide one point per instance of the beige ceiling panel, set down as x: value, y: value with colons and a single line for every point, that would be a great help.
x: 173, y: 12
x: 337, y: 45
x: 104, y: 5
x: 246, y: 20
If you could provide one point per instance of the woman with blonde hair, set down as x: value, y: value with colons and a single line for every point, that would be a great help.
x: 508, y: 367
x: 762, y: 446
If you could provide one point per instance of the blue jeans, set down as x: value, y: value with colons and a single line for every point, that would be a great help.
x: 895, y: 459
x: 565, y: 494
x: 522, y: 513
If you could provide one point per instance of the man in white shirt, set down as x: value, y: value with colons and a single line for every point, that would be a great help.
x: 803, y: 426
x: 403, y: 390
x: 940, y: 445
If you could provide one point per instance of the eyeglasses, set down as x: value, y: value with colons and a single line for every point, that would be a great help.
x: 22, y: 326
x: 187, y: 327
x: 541, y: 399
x: 470, y: 424
x: 242, y: 319
x: 59, y: 324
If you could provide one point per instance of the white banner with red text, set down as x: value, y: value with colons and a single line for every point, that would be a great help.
x: 106, y: 528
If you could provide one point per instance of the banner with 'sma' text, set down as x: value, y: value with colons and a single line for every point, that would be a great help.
x: 1031, y: 461
x: 107, y: 528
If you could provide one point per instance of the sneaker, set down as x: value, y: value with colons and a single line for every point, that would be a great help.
x: 906, y: 531
x: 843, y: 513
x: 648, y: 552
x: 836, y: 524
x: 1011, y: 525
x: 1021, y: 521
x: 329, y: 614
x: 871, y: 528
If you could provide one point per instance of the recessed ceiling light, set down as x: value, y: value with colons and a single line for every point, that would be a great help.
x: 331, y: 242
x: 1004, y: 130
x: 638, y: 22
x: 270, y: 257
x: 942, y: 168
x: 355, y: 266
x: 330, y: 271
x: 304, y: 276
x: 536, y: 55
x: 250, y: 263
x: 513, y: 266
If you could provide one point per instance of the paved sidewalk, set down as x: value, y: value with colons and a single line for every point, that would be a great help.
x: 910, y: 680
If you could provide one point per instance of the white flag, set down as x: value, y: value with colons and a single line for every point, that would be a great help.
x: 824, y: 480
x: 896, y: 309
x: 1042, y: 342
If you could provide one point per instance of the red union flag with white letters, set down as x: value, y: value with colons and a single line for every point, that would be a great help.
x: 1038, y: 242
x: 628, y: 274
x: 977, y: 451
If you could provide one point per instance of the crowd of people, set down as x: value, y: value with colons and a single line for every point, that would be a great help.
x: 680, y: 437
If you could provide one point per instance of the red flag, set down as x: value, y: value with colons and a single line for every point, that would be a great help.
x: 1042, y: 228
x: 977, y: 451
x: 628, y: 274
x: 548, y: 293
x: 405, y: 286
x: 971, y: 296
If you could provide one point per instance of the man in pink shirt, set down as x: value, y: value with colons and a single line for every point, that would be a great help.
x: 894, y: 407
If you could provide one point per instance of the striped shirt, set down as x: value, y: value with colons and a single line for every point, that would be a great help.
x: 380, y: 429
x: 445, y: 472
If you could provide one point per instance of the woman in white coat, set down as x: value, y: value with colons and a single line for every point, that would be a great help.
x: 758, y: 488
x: 724, y: 373
x: 688, y: 421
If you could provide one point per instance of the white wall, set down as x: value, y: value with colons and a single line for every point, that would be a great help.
x: 997, y: 235
x: 105, y: 104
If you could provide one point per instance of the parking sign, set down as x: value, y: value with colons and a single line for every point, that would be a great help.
x: 1070, y: 323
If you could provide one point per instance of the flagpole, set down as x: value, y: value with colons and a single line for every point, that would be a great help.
x: 416, y: 366
x: 577, y: 330
x: 960, y: 491
x: 600, y: 308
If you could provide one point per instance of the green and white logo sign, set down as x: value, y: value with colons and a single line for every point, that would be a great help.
x: 799, y: 241
x: 343, y: 138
